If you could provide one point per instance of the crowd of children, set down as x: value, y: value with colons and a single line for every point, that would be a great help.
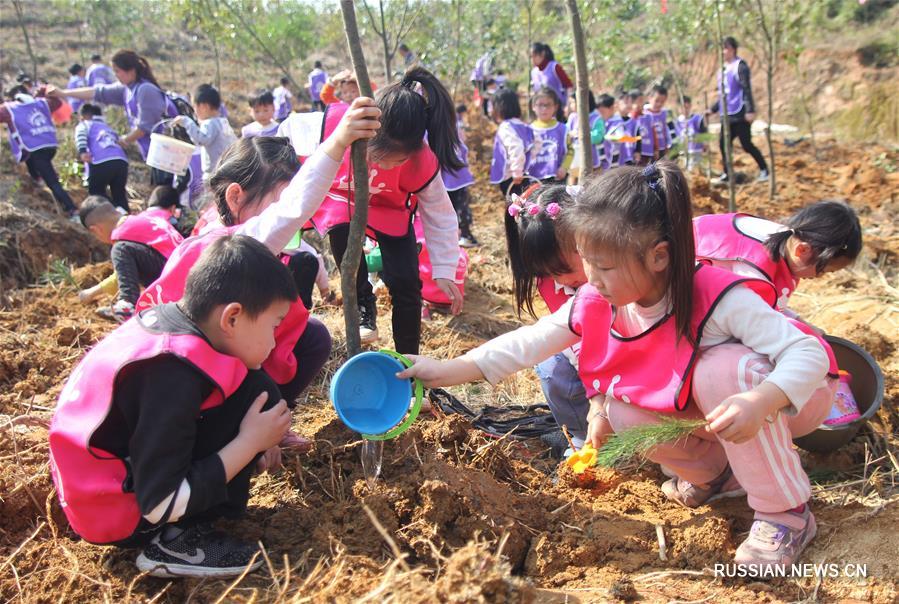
x: 194, y: 391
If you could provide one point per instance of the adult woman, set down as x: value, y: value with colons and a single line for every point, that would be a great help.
x: 146, y: 105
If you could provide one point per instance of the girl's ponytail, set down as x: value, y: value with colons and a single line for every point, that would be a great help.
x: 830, y: 227
x: 407, y: 114
x: 666, y: 179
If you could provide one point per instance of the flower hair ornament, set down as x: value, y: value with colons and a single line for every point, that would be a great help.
x: 521, y: 206
x: 653, y: 177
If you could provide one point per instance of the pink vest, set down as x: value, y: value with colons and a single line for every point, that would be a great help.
x: 391, y: 201
x: 429, y: 290
x: 89, y: 481
x: 547, y: 289
x: 281, y: 363
x: 718, y: 238
x: 149, y: 229
x: 652, y: 370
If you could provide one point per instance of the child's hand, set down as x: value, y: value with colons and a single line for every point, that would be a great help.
x: 451, y: 290
x: 265, y: 429
x: 516, y: 180
x: 435, y: 374
x: 361, y: 121
x: 85, y: 296
x: 179, y: 121
x: 270, y: 460
x: 560, y: 173
x: 51, y: 90
x: 598, y: 426
x: 85, y: 157
x: 739, y: 418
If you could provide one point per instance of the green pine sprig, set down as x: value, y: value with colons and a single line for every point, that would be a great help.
x: 627, y: 444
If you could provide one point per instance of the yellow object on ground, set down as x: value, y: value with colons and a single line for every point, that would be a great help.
x: 581, y: 460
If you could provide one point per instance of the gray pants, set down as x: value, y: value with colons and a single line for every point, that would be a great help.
x: 565, y: 394
x: 135, y: 265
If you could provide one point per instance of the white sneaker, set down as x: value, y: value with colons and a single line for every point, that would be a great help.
x: 367, y: 335
x: 722, y: 178
x: 763, y: 176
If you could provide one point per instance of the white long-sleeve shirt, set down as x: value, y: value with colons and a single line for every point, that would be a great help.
x: 800, y: 363
x: 514, y: 148
x: 214, y: 135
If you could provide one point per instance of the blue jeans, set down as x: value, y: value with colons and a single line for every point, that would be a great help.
x: 565, y: 394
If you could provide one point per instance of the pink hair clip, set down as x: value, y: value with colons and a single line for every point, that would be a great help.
x: 514, y: 210
x: 533, y: 209
x: 552, y: 210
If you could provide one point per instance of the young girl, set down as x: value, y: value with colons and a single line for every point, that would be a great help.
x: 823, y: 237
x: 547, y: 73
x: 512, y: 144
x: 403, y: 177
x: 261, y: 191
x: 550, y: 151
x: 543, y: 257
x: 660, y: 335
x: 597, y: 132
x: 457, y: 183
x: 283, y: 98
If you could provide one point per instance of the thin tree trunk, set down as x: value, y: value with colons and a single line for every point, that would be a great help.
x: 356, y: 237
x: 725, y: 123
x: 527, y: 62
x: 771, y: 33
x: 218, y: 61
x: 583, y: 91
x: 708, y: 156
x: 457, y: 70
x: 17, y: 4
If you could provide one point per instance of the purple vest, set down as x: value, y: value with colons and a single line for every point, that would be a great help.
x: 733, y: 90
x: 195, y: 189
x: 574, y: 133
x: 642, y: 127
x: 32, y: 127
x: 317, y: 81
x: 98, y: 73
x: 76, y: 81
x: 282, y: 103
x: 689, y: 128
x: 659, y: 122
x: 455, y: 180
x: 498, y: 164
x: 131, y: 111
x: 549, y: 151
x: 252, y: 129
x: 102, y: 142
x: 618, y: 154
x: 549, y: 78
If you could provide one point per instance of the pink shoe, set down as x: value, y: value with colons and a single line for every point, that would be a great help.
x: 690, y: 495
x: 776, y: 539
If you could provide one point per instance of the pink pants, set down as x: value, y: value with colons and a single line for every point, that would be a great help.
x: 767, y: 466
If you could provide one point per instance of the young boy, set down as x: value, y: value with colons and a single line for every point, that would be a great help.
x: 608, y: 155
x: 283, y: 104
x: 160, y: 426
x: 658, y: 118
x: 641, y: 126
x: 141, y: 244
x: 98, y: 73
x: 105, y: 162
x: 457, y: 184
x: 317, y: 78
x: 688, y: 126
x: 262, y: 108
x: 214, y: 133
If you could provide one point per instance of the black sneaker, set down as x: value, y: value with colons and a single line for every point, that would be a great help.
x: 368, y: 322
x: 557, y: 443
x: 197, y: 551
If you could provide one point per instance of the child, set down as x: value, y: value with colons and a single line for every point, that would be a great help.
x: 457, y: 183
x: 76, y: 80
x: 141, y: 244
x: 262, y: 108
x: 512, y: 144
x: 260, y: 190
x: 500, y: 78
x: 687, y: 127
x: 342, y: 88
x: 283, y: 104
x: 641, y: 126
x: 617, y: 149
x: 547, y: 73
x: 661, y: 335
x: 317, y: 79
x: 32, y: 139
x: 597, y: 133
x: 549, y: 155
x: 544, y: 261
x: 160, y: 426
x: 105, y: 162
x: 605, y: 107
x: 658, y: 118
x: 404, y: 168
x: 213, y: 134
x: 820, y: 238
x: 432, y: 296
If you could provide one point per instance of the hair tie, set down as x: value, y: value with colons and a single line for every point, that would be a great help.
x: 552, y: 210
x: 653, y: 177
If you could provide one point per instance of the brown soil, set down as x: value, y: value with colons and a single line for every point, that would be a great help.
x: 474, y: 518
